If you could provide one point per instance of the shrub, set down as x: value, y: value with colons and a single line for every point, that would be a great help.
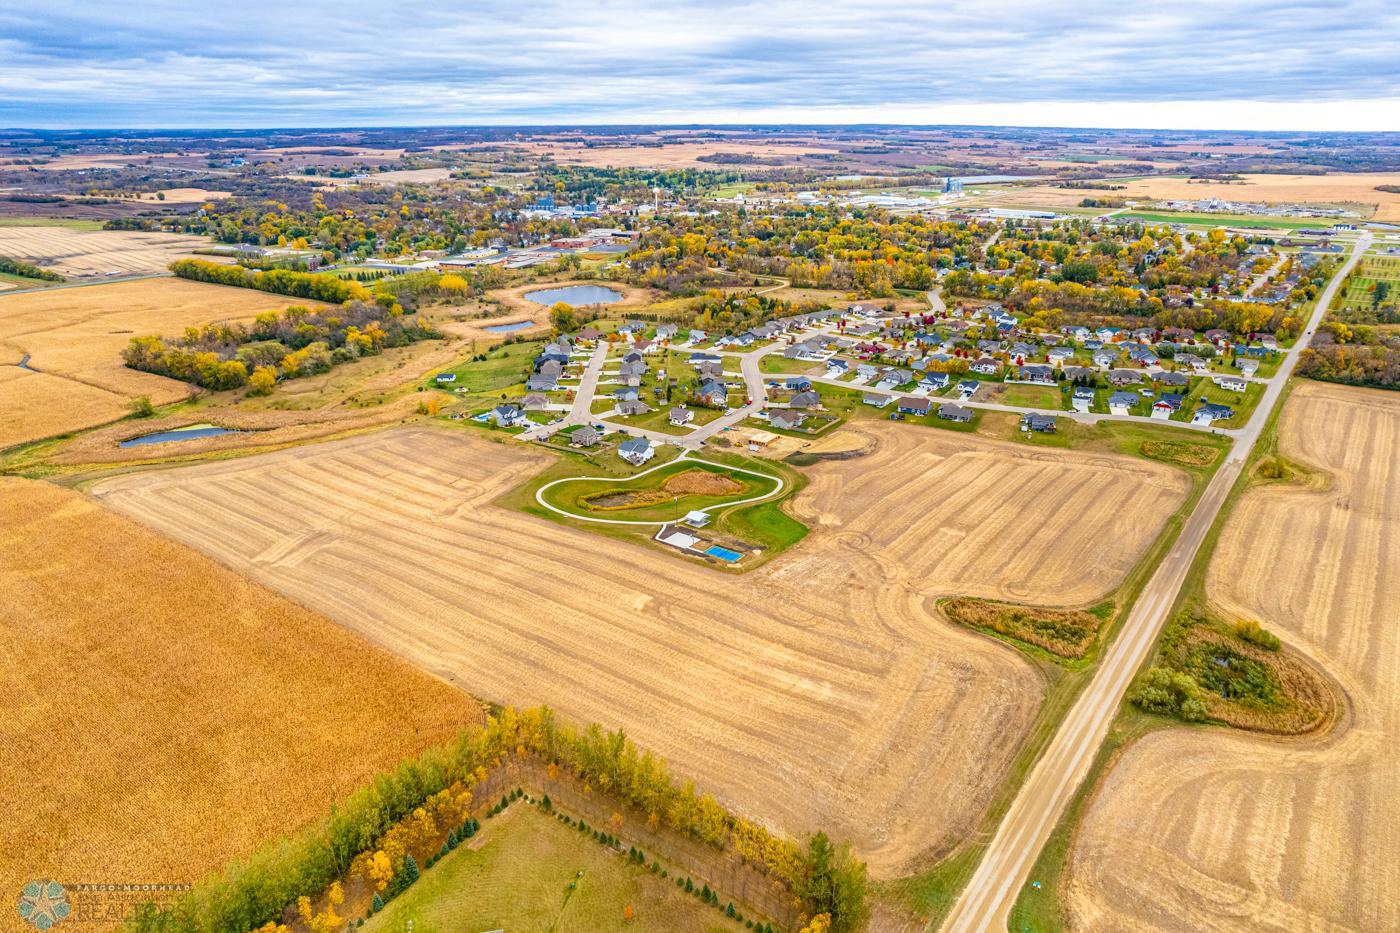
x: 1169, y: 693
x: 410, y: 868
x: 1251, y: 631
x: 142, y: 407
x: 376, y: 904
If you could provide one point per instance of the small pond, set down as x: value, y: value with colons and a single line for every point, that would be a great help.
x: 190, y: 433
x: 508, y: 328
x: 576, y: 295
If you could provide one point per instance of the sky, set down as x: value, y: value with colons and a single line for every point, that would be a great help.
x: 1222, y: 64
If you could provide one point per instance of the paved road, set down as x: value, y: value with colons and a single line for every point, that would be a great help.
x: 581, y: 411
x: 986, y: 902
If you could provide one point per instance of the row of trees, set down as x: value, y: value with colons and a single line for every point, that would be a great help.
x: 373, y: 829
x: 320, y: 286
x: 27, y: 270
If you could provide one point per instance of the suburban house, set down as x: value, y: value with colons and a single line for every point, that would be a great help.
x: 1180, y: 380
x: 535, y: 402
x: 1210, y: 413
x: 632, y: 407
x: 713, y: 392
x: 786, y: 420
x: 914, y: 405
x: 1166, y: 406
x: 1121, y: 403
x: 798, y: 384
x: 1105, y: 358
x: 636, y: 450
x: 681, y: 416
x: 1078, y: 333
x: 1045, y: 424
x: 1038, y: 373
x: 950, y: 412
x: 865, y: 372
x: 837, y: 368
x: 1232, y: 383
x: 666, y: 331
x: 807, y: 399
x: 628, y: 394
x: 539, y: 383
x: 1059, y: 355
x: 878, y: 399
x: 695, y: 359
x: 509, y: 416
x: 1083, y: 398
x: 894, y: 378
x: 1124, y: 377
x: 986, y: 366
x: 1078, y: 372
x: 968, y: 388
x: 1247, y: 367
x: 1196, y: 363
x: 585, y: 436
x: 933, y: 382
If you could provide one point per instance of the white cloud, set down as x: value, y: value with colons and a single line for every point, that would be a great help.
x: 1247, y: 64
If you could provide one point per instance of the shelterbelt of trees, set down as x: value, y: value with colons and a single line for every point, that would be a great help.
x: 359, y: 834
x: 296, y: 342
x: 819, y: 247
x: 1353, y: 354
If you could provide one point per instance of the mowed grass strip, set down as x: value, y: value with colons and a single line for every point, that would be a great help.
x: 519, y: 879
x: 1064, y: 632
x: 164, y: 714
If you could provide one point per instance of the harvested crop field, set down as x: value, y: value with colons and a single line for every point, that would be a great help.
x: 818, y: 691
x: 1214, y: 830
x: 39, y: 405
x: 75, y: 337
x: 163, y: 714
x: 85, y: 253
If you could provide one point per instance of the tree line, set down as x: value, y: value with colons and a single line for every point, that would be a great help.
x: 435, y: 786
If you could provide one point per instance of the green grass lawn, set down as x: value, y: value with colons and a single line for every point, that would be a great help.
x: 50, y: 222
x: 1222, y: 220
x: 776, y: 364
x: 520, y: 877
x: 505, y: 368
x: 1028, y: 396
x: 1243, y: 403
x: 573, y: 496
x: 19, y: 281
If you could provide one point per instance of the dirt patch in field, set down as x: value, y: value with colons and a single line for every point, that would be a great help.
x: 821, y: 690
x: 701, y: 483
x: 1200, y: 829
x: 163, y: 714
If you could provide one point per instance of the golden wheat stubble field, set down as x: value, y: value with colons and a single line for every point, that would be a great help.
x: 819, y: 691
x: 80, y: 253
x: 75, y: 338
x: 164, y: 714
x: 1205, y: 829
